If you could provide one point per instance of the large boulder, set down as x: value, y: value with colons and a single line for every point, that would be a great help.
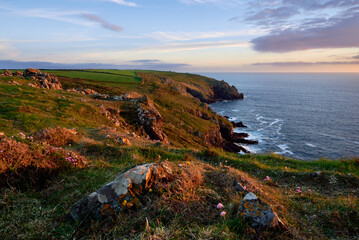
x: 122, y: 193
x: 259, y: 214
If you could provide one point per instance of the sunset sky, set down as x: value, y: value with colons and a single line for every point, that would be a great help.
x: 183, y: 35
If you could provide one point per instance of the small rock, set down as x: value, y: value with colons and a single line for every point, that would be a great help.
x: 259, y: 214
x: 123, y: 141
x: 238, y: 186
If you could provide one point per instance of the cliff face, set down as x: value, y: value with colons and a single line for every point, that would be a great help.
x: 223, y: 91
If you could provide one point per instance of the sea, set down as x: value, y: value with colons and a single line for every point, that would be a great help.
x: 299, y: 115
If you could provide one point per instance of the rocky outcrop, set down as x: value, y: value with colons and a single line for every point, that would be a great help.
x: 43, y: 80
x: 259, y: 214
x: 223, y: 91
x: 7, y: 73
x: 238, y: 125
x: 123, y: 193
x: 151, y: 119
x: 199, y: 113
x: 112, y: 114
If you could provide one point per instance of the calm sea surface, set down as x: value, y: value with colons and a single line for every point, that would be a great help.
x: 306, y: 116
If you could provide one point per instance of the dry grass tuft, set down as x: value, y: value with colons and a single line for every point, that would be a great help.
x: 24, y: 164
x: 58, y: 136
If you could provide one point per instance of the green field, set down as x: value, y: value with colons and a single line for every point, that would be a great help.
x: 114, y: 76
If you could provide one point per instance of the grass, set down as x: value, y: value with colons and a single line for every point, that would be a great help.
x: 182, y: 209
x: 115, y: 76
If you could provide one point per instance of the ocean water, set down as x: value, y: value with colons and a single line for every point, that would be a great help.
x: 305, y: 116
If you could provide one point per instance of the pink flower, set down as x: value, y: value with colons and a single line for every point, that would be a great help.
x: 220, y: 205
x: 310, y: 191
x: 244, y: 188
x: 223, y: 214
x: 267, y: 178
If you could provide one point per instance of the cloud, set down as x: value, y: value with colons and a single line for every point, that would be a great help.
x: 68, y: 16
x: 294, y: 25
x: 103, y: 23
x: 124, y: 3
x: 336, y: 33
x: 293, y: 64
x: 136, y: 64
x: 187, y: 36
x: 356, y: 57
x: 7, y: 50
x: 174, y: 47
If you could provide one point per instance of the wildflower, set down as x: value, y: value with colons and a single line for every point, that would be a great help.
x: 1, y: 151
x: 69, y: 145
x: 244, y: 188
x: 267, y: 178
x: 150, y: 190
x: 310, y: 191
x: 220, y: 205
x: 298, y: 190
x: 223, y: 214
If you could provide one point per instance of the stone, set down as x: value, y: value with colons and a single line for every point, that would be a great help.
x: 18, y: 73
x: 259, y: 214
x: 238, y: 186
x: 7, y: 73
x: 31, y: 72
x: 123, y: 193
x: 132, y: 95
x: 124, y: 141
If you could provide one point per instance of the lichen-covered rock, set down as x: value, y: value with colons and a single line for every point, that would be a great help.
x: 122, y: 193
x: 151, y: 119
x: 259, y: 214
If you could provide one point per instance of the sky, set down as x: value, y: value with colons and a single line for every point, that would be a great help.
x: 182, y: 35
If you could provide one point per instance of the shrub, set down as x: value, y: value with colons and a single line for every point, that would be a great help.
x: 58, y: 136
x: 22, y: 164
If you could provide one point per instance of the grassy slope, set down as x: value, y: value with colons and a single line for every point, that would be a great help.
x: 331, y: 211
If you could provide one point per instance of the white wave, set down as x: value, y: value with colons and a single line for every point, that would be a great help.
x: 310, y: 145
x: 285, y: 149
x: 232, y: 119
x: 356, y: 142
x: 235, y: 110
x: 275, y: 121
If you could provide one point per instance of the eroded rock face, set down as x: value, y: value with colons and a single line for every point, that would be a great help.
x: 259, y: 214
x: 151, y: 119
x: 122, y: 193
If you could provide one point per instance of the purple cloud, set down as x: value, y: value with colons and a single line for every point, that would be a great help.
x: 293, y: 64
x: 103, y: 22
x: 337, y: 32
x: 356, y: 57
